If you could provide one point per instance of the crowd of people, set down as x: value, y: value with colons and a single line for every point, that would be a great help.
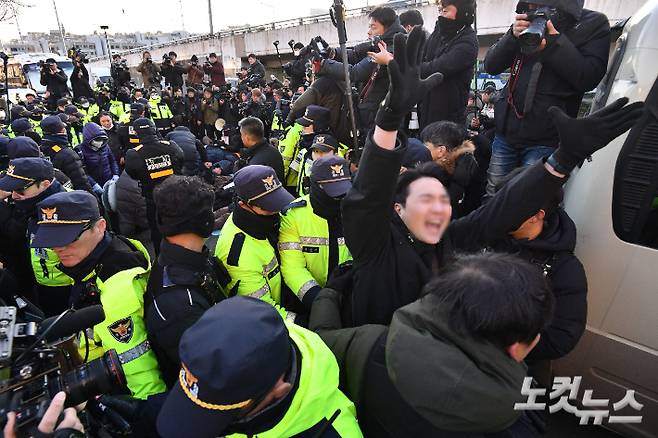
x: 265, y: 272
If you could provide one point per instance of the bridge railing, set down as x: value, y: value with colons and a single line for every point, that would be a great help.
x: 282, y: 24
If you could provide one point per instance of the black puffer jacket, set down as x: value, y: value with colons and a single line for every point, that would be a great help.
x: 67, y: 160
x: 454, y: 57
x: 552, y: 252
x: 192, y: 149
x: 572, y: 63
x: 264, y: 154
x: 390, y: 265
x: 372, y: 77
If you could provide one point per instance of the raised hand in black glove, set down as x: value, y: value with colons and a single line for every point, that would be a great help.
x: 405, y: 87
x: 580, y: 138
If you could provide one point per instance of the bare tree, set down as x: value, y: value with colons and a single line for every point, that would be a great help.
x: 9, y: 9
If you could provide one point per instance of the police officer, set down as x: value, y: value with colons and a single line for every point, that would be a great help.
x: 127, y: 135
x: 160, y: 112
x: 23, y: 127
x: 247, y: 245
x: 29, y: 181
x: 184, y: 281
x: 311, y: 241
x: 150, y: 163
x: 120, y: 103
x: 88, y: 110
x: 297, y: 142
x: 322, y: 145
x: 75, y: 122
x: 55, y: 146
x: 109, y: 270
x: 245, y: 371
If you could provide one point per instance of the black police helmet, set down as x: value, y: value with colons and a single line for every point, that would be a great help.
x: 144, y: 127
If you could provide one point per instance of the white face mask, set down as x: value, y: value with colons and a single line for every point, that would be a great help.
x: 97, y: 143
x: 297, y: 52
x: 85, y: 105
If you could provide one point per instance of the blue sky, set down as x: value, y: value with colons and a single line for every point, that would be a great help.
x: 85, y: 16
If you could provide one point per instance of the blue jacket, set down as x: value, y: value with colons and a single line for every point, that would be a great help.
x: 101, y: 165
x: 191, y: 147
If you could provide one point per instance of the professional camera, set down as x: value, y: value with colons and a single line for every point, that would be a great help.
x: 374, y: 41
x: 45, y: 65
x: 35, y: 364
x: 75, y: 52
x: 319, y: 49
x: 166, y: 59
x: 531, y: 38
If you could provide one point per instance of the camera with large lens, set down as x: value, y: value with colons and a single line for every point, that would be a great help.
x: 531, y: 38
x: 75, y: 52
x: 319, y: 49
x: 40, y: 359
x: 166, y: 59
x: 374, y: 41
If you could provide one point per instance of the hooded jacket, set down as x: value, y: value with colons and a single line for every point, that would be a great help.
x: 373, y: 78
x: 101, y: 165
x: 419, y: 377
x: 572, y: 63
x: 553, y: 252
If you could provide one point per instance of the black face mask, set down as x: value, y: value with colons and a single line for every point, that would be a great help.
x: 448, y: 27
x: 306, y: 141
x: 323, y: 205
x: 258, y: 226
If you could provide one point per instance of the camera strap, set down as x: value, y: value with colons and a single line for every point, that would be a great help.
x: 517, y: 65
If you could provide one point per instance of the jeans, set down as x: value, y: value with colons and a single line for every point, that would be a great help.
x: 506, y: 157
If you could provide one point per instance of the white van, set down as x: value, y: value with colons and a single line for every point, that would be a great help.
x: 614, y: 201
x: 24, y: 71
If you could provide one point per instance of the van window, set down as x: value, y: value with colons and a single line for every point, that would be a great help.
x: 635, y: 193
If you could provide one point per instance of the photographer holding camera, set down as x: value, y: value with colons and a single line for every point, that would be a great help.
x: 296, y: 69
x: 370, y: 70
x: 54, y: 79
x: 50, y: 424
x: 172, y: 70
x: 215, y: 69
x: 256, y: 71
x: 557, y: 51
x: 120, y: 72
x: 80, y: 75
x: 194, y: 74
x: 151, y: 72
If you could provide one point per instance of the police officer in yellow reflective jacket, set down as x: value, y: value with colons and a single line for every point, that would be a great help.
x: 31, y: 180
x: 89, y: 111
x: 107, y: 269
x: 160, y: 113
x: 299, y: 138
x: 247, y: 373
x: 311, y: 241
x: 247, y: 245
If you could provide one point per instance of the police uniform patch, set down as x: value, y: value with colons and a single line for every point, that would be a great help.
x: 122, y: 330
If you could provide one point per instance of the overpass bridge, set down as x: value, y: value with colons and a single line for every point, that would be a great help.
x: 233, y: 45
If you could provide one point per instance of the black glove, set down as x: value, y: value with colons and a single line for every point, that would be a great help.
x: 580, y: 138
x: 405, y: 87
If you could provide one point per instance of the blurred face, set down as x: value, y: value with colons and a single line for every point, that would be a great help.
x: 138, y: 94
x: 75, y: 252
x: 375, y: 28
x: 427, y: 210
x: 449, y: 11
x: 106, y: 122
x: 31, y: 191
x: 178, y: 93
x: 207, y: 95
x: 30, y: 99
x: 146, y: 55
x: 247, y: 141
x: 437, y: 152
x: 251, y: 61
x: 173, y: 58
x: 317, y: 153
x: 190, y: 94
x: 212, y: 59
